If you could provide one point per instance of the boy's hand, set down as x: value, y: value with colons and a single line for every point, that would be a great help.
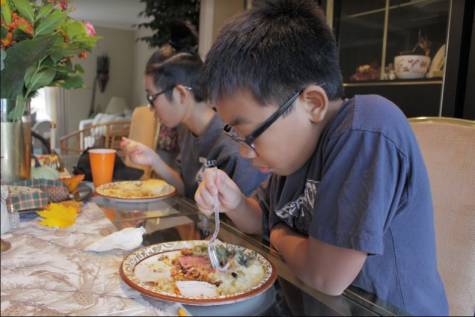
x: 230, y: 195
x: 138, y: 152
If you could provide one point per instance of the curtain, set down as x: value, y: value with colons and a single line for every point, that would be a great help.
x: 57, y: 100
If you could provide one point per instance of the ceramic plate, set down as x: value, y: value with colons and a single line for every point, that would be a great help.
x: 127, y: 269
x: 131, y: 184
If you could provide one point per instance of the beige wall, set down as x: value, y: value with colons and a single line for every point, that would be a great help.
x: 120, y: 46
x: 142, y: 54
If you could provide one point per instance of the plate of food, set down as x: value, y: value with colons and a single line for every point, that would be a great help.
x: 137, y: 191
x: 181, y: 272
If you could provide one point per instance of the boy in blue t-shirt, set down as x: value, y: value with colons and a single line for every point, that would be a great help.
x: 349, y: 201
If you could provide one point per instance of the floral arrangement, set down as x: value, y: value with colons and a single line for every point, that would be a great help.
x: 38, y: 43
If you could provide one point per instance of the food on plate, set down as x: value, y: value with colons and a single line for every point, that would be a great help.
x: 72, y: 182
x: 135, y: 189
x: 188, y: 272
x: 155, y: 187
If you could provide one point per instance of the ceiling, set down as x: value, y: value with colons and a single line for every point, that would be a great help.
x: 117, y: 14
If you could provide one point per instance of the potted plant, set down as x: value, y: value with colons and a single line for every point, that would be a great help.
x: 38, y: 43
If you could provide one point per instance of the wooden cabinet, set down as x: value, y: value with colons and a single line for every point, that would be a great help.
x: 372, y: 33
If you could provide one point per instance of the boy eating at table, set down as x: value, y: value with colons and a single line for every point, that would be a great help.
x: 348, y: 201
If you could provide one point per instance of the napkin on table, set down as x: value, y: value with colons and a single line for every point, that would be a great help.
x: 126, y: 239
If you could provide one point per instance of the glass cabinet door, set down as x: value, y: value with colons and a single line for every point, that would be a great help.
x: 394, y: 48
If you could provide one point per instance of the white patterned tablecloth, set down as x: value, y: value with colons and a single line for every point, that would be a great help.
x: 47, y: 272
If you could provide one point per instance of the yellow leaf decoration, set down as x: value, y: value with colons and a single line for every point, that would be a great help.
x: 58, y: 215
x: 69, y: 203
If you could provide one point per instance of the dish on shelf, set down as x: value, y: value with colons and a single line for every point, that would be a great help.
x: 133, y: 191
x: 155, y: 271
x: 438, y: 62
x: 411, y: 66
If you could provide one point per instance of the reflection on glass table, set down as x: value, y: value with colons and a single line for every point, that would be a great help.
x: 177, y: 218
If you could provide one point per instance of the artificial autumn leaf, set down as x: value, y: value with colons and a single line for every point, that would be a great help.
x: 72, y: 182
x: 58, y: 216
x: 69, y: 203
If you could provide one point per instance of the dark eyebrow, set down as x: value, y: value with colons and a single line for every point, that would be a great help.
x: 239, y: 120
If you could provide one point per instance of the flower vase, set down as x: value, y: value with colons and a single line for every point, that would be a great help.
x: 15, y: 139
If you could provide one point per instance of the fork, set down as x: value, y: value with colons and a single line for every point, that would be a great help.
x: 212, y: 242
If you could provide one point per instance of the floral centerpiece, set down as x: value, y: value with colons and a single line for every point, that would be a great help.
x: 38, y: 43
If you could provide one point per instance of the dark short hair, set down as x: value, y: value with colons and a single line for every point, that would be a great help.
x: 177, y: 63
x: 273, y: 50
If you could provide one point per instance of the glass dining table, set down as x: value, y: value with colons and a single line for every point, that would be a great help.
x: 48, y: 271
x: 177, y: 218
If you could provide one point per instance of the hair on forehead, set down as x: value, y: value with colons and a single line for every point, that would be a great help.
x: 273, y: 50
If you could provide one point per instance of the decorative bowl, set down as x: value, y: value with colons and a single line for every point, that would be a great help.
x: 411, y: 66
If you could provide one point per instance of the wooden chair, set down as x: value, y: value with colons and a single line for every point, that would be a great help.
x: 448, y: 149
x: 106, y: 135
x: 144, y: 128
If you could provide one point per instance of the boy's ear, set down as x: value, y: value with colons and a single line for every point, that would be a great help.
x: 183, y: 92
x: 316, y: 103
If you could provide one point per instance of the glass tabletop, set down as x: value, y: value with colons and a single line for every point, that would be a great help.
x: 177, y: 218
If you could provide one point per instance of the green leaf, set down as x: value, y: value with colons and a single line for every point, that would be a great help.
x: 19, y: 34
x: 85, y: 42
x: 29, y: 74
x: 65, y: 50
x: 71, y: 82
x: 4, y: 32
x: 21, y: 56
x: 44, y: 11
x: 25, y: 9
x: 51, y: 23
x: 6, y: 14
x: 42, y: 78
x: 74, y: 29
x: 63, y: 70
x: 78, y: 69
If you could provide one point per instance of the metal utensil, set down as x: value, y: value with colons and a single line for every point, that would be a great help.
x: 6, y: 246
x: 212, y: 242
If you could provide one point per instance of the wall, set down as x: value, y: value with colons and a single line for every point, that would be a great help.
x: 119, y: 45
x: 142, y: 54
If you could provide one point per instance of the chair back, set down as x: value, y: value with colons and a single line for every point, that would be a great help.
x: 144, y: 128
x: 448, y: 149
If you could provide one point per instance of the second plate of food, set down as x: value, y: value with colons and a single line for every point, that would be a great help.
x: 137, y: 191
x: 181, y: 272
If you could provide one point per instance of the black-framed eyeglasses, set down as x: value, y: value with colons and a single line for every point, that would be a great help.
x: 152, y: 98
x: 248, y: 142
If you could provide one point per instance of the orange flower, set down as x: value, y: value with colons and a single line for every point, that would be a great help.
x: 7, y: 41
x: 21, y: 21
x: 83, y: 55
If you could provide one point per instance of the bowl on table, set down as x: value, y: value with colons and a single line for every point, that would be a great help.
x: 411, y: 66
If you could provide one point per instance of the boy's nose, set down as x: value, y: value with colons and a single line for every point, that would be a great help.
x: 246, y: 151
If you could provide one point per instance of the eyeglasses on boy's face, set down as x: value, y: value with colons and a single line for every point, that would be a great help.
x: 248, y: 142
x: 152, y: 98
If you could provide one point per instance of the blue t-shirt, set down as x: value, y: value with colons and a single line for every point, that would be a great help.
x: 366, y: 188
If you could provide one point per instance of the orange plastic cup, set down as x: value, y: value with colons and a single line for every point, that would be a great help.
x: 102, y: 165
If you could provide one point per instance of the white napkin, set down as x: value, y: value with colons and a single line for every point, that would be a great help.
x: 125, y: 239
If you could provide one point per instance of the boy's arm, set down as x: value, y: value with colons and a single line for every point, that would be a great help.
x: 168, y: 174
x: 245, y: 213
x: 247, y: 216
x: 324, y: 267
